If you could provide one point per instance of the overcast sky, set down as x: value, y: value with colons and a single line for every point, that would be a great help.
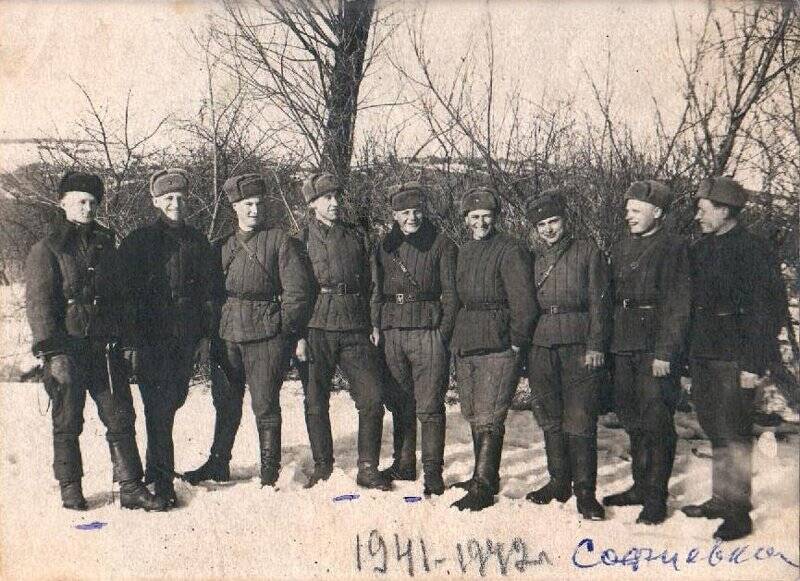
x: 111, y: 47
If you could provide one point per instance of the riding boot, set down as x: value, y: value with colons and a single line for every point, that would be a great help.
x: 404, y: 438
x: 583, y: 456
x: 661, y: 455
x: 321, y: 441
x: 480, y: 494
x: 433, y: 440
x: 465, y: 484
x: 370, y: 427
x: 226, y: 424
x: 72, y: 495
x: 127, y: 467
x: 558, y: 466
x: 635, y: 494
x: 269, y: 439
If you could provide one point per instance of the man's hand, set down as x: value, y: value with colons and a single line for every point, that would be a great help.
x: 515, y: 349
x: 62, y: 368
x: 748, y: 380
x: 375, y: 336
x: 593, y: 359
x: 301, y: 351
x: 660, y: 368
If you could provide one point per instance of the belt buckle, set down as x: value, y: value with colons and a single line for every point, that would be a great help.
x: 553, y: 310
x: 341, y: 288
x: 400, y: 298
x: 626, y: 303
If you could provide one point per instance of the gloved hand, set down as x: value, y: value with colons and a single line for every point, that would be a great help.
x: 62, y: 368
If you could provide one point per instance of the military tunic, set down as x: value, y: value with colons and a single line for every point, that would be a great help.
x: 573, y: 293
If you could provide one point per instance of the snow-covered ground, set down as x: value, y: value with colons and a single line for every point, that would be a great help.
x: 240, y: 530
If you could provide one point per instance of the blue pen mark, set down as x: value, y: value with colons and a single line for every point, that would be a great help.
x: 342, y: 497
x: 92, y: 526
x: 412, y: 498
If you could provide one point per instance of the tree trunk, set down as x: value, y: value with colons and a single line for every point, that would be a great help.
x: 342, y: 97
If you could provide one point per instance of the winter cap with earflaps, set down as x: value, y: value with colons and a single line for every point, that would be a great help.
x: 167, y: 181
x: 549, y: 204
x: 480, y: 198
x: 406, y: 195
x: 74, y: 181
x: 723, y: 190
x: 650, y: 191
x: 319, y: 184
x: 249, y: 185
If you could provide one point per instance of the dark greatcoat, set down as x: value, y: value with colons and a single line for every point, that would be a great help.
x: 171, y: 273
x: 738, y: 300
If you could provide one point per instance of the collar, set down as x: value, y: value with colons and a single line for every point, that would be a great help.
x: 422, y: 239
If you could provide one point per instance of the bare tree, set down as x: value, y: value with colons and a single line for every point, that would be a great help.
x: 307, y: 60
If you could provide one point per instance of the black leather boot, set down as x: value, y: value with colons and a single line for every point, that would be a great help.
x: 560, y: 485
x: 72, y: 495
x: 321, y: 440
x: 465, y: 484
x: 269, y: 439
x: 215, y: 468
x: 660, y: 459
x: 433, y: 440
x: 583, y: 457
x: 404, y: 438
x: 711, y: 508
x: 165, y: 489
x: 127, y: 467
x: 635, y: 494
x: 370, y: 427
x: 736, y: 525
x: 481, y: 493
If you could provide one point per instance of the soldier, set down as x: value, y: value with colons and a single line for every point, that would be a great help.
x: 737, y: 312
x: 493, y: 325
x: 651, y: 292
x: 413, y: 312
x: 339, y: 334
x: 269, y: 293
x: 171, y: 274
x: 567, y: 354
x: 76, y: 309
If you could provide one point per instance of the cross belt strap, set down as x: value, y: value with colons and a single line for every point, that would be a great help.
x: 339, y: 289
x: 402, y: 298
x: 485, y: 306
x: 720, y: 312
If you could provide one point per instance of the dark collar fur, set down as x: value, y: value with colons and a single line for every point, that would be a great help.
x: 422, y: 239
x: 63, y: 231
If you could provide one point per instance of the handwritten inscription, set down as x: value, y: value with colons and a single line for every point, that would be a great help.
x: 391, y: 553
x: 587, y: 555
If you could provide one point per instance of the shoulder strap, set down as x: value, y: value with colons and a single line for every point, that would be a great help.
x: 252, y: 255
x: 546, y: 274
x: 404, y: 269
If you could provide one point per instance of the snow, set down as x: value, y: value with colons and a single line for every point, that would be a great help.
x: 240, y: 530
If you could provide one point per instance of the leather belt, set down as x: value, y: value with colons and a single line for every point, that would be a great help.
x: 403, y: 298
x: 559, y: 310
x: 632, y: 304
x: 485, y: 306
x: 720, y: 313
x: 255, y: 297
x: 339, y: 289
